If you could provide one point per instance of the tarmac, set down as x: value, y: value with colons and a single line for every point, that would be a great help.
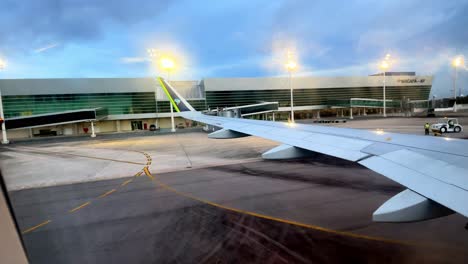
x: 403, y: 125
x: 188, y: 199
x: 59, y: 161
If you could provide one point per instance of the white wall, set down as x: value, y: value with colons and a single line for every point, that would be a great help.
x: 18, y: 133
x: 106, y: 126
x: 279, y: 83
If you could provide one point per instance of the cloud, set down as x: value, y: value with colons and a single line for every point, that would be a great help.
x: 134, y: 60
x: 350, y: 70
x: 33, y: 23
x: 412, y: 25
x: 234, y: 38
x: 50, y: 46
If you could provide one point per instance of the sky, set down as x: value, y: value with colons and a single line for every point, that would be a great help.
x: 101, y: 38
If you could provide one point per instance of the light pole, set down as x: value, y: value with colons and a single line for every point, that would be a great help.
x: 291, y: 65
x: 167, y: 64
x: 384, y: 65
x: 4, y: 133
x: 456, y: 62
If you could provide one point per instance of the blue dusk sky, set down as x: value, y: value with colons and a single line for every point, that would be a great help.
x: 104, y: 38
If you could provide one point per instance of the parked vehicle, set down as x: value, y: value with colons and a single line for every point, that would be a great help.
x: 445, y: 125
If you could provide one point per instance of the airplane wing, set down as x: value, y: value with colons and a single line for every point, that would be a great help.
x: 434, y: 169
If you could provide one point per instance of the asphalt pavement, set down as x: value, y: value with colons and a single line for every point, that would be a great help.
x: 302, y: 211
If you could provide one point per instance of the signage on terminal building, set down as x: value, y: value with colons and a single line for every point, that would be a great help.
x: 411, y: 80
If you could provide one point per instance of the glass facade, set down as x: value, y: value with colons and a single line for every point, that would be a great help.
x: 198, y: 104
x: 365, y: 103
x: 144, y: 102
x: 304, y: 97
x: 114, y: 103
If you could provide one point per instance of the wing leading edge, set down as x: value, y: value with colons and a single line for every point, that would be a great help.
x: 432, y: 168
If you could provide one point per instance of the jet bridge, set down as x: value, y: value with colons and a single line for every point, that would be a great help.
x: 239, y: 112
x: 249, y: 110
x: 58, y: 118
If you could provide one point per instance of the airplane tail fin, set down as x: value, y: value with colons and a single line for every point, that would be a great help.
x: 179, y: 103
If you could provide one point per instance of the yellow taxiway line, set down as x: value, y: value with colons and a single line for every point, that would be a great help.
x: 35, y: 227
x: 148, y: 173
x: 82, y: 156
x: 79, y: 207
x: 308, y: 226
x: 102, y: 195
x: 107, y: 193
x: 126, y: 182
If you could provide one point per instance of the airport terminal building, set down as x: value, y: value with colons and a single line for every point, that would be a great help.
x: 126, y: 104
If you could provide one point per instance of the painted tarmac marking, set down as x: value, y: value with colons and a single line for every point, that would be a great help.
x: 319, y: 228
x: 107, y: 193
x: 126, y: 182
x: 102, y: 195
x: 79, y: 207
x: 83, y: 156
x: 35, y: 227
x: 148, y: 173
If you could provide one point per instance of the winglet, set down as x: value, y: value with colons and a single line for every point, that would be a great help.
x: 179, y: 103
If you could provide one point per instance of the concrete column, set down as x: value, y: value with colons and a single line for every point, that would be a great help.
x: 342, y: 112
x: 273, y: 116
x: 4, y: 133
x: 351, y: 113
x: 117, y: 125
x: 172, y: 118
x: 359, y: 111
x: 31, y: 135
x: 318, y: 114
x: 337, y: 113
x: 92, y: 130
x: 364, y: 112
